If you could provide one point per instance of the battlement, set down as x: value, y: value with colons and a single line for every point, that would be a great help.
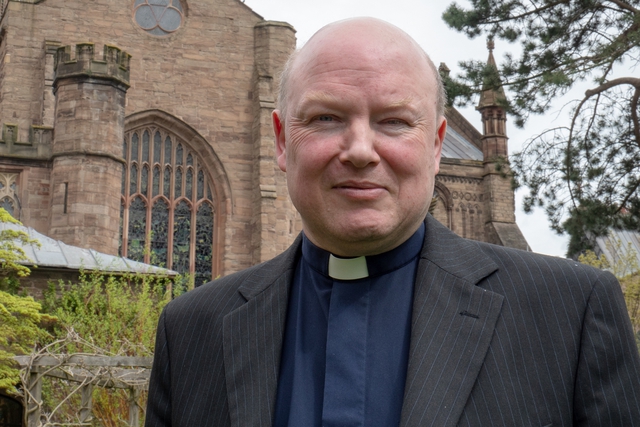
x: 115, y: 64
x: 37, y: 146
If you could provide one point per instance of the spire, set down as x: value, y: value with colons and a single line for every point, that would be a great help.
x: 491, y: 95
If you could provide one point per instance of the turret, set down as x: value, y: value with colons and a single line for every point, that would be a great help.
x: 87, y: 167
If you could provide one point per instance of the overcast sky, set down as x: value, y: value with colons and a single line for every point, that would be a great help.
x: 422, y: 20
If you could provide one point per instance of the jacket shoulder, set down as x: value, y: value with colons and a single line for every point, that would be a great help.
x: 227, y: 293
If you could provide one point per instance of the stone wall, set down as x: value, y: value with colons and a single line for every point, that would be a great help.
x: 206, y: 74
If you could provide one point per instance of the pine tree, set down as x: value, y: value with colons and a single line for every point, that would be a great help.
x: 586, y: 174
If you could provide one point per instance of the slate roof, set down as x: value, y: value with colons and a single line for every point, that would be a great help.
x: 455, y: 146
x: 56, y: 254
x: 617, y: 244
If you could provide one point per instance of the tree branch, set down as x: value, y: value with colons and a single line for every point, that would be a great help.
x: 632, y: 81
x: 528, y: 13
x: 634, y: 115
x: 627, y: 197
x: 623, y: 5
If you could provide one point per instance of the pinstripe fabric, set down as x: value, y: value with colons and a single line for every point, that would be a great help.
x: 499, y: 337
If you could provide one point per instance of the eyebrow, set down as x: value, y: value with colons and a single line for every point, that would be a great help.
x: 323, y: 97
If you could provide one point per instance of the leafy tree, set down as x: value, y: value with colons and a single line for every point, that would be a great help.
x: 21, y: 326
x: 586, y: 174
x: 12, y: 256
x: 21, y: 321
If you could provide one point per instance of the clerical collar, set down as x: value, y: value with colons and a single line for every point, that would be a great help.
x: 361, y: 267
x: 347, y: 268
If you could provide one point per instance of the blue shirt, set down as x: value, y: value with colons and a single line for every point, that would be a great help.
x: 346, y: 343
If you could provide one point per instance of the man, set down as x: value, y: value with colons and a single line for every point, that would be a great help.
x: 376, y: 316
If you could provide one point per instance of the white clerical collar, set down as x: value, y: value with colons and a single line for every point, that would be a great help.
x: 348, y: 268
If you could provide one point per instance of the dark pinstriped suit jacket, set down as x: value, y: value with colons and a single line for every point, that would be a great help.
x: 499, y: 337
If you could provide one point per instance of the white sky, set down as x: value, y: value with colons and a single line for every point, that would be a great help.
x: 422, y: 20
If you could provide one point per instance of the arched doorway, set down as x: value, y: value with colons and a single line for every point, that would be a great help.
x: 10, y: 412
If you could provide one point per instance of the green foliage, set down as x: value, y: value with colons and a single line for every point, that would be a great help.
x: 625, y: 267
x: 21, y: 322
x: 21, y: 326
x: 586, y: 175
x: 12, y: 256
x: 116, y: 313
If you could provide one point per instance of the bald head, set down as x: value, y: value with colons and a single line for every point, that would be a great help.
x: 358, y: 35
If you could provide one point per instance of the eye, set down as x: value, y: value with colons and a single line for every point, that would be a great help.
x: 324, y: 118
x: 394, y: 122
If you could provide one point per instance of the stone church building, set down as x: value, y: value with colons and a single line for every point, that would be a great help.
x: 142, y: 128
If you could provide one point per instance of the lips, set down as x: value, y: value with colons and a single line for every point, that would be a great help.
x: 362, y: 190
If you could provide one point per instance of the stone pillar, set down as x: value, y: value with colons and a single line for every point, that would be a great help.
x: 87, y: 170
x: 273, y: 220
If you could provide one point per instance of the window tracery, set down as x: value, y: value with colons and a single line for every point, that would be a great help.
x: 8, y: 193
x: 168, y: 219
x: 158, y: 17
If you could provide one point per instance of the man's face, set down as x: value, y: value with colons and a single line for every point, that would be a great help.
x: 361, y: 141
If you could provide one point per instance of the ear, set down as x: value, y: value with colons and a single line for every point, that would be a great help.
x: 441, y: 131
x: 278, y: 130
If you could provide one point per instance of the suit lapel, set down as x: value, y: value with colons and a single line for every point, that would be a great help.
x: 252, y: 337
x: 452, y: 325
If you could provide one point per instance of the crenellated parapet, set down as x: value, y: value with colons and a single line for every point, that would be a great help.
x: 114, y: 66
x: 38, y: 145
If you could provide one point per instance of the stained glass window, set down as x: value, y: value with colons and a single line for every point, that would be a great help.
x: 159, y: 232
x: 157, y: 147
x: 7, y: 204
x: 9, y: 193
x: 144, y: 180
x: 179, y: 234
x: 188, y: 190
x: 137, y: 229
x: 200, y: 184
x: 167, y: 182
x: 133, y: 180
x: 120, y: 236
x: 156, y: 181
x: 145, y: 146
x: 204, y: 244
x: 179, y: 154
x: 167, y: 150
x: 158, y: 17
x: 134, y: 147
x: 178, y: 183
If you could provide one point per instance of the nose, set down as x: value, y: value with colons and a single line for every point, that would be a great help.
x: 359, y: 145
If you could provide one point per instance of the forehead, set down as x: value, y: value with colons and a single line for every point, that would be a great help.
x: 357, y: 52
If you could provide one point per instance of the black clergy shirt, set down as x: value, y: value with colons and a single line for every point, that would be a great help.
x: 346, y: 342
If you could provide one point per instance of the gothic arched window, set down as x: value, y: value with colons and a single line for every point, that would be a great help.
x: 168, y: 211
x: 8, y: 194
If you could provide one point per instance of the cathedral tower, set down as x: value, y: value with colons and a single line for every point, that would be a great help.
x: 86, y: 176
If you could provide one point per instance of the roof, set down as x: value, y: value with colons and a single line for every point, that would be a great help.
x: 56, y: 254
x: 491, y: 96
x: 617, y: 244
x: 455, y: 146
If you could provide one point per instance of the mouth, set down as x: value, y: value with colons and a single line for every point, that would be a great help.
x: 360, y: 190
